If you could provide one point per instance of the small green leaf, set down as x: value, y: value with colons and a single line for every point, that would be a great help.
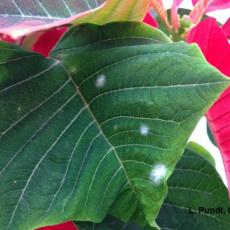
x: 195, y: 184
x: 196, y: 148
x: 211, y: 138
x: 98, y: 127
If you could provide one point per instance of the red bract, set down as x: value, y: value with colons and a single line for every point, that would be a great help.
x: 150, y: 20
x: 226, y: 28
x: 7, y: 38
x: 214, y: 44
x: 215, y: 4
x: 64, y: 226
x: 48, y: 39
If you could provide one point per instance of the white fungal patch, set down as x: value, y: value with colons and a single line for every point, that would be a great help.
x: 100, y: 82
x: 144, y: 130
x: 158, y: 173
x: 57, y: 62
x: 115, y: 127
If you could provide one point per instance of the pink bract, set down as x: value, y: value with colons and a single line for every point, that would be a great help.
x: 216, y: 5
x: 150, y: 20
x: 174, y: 14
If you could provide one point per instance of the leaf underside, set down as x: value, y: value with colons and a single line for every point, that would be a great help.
x: 13, y: 12
x: 194, y: 183
x: 98, y: 127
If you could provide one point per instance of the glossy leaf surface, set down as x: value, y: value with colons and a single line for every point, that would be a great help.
x: 98, y: 127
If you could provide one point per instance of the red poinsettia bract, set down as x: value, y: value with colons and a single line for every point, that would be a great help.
x: 215, y: 47
x: 226, y: 28
x: 65, y: 226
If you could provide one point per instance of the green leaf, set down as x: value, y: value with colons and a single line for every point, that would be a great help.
x: 196, y: 148
x: 98, y: 127
x: 116, y: 10
x: 211, y: 138
x: 195, y: 183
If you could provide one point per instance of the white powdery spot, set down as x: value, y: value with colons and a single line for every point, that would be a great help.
x: 100, y: 82
x: 57, y: 62
x: 158, y: 173
x: 144, y: 129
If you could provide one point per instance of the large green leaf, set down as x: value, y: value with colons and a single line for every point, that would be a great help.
x: 98, y: 127
x: 195, y: 183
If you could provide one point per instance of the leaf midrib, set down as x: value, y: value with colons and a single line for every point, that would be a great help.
x: 99, y: 126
